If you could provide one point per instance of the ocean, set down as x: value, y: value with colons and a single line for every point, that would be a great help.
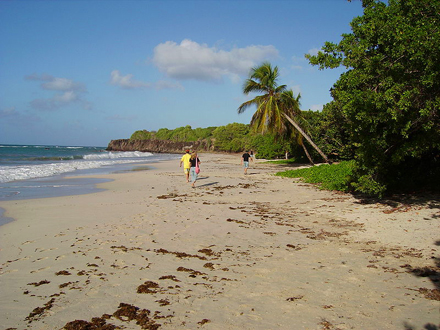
x: 39, y: 171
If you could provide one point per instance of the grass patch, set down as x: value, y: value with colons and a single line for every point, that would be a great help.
x: 328, y: 177
x: 284, y: 161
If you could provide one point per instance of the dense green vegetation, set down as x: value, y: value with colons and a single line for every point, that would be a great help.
x: 233, y: 137
x: 386, y: 105
x: 181, y: 134
x: 330, y: 177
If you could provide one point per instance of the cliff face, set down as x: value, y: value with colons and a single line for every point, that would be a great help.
x: 156, y: 146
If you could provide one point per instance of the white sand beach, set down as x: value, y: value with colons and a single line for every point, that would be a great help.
x: 238, y: 251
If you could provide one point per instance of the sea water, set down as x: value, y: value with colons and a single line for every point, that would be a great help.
x: 30, y: 171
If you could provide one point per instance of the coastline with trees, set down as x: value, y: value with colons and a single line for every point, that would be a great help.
x: 384, y: 117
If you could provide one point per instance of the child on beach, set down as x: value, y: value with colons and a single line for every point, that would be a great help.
x: 186, y: 164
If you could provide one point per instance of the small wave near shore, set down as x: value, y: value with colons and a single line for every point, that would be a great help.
x: 31, y: 162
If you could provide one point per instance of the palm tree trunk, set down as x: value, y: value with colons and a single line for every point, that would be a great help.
x: 307, y: 153
x: 307, y: 138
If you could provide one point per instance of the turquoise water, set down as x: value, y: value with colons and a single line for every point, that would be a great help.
x: 28, y: 171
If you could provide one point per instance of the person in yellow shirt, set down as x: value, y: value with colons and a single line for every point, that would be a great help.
x: 186, y: 164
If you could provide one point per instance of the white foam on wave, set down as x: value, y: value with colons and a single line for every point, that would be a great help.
x: 24, y: 172
x: 118, y: 155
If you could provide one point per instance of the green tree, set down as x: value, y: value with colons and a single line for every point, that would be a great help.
x: 163, y: 134
x: 276, y: 107
x: 390, y: 95
x: 268, y: 146
x: 183, y: 134
x: 204, y: 133
x: 332, y: 131
x: 141, y: 135
x: 232, y: 137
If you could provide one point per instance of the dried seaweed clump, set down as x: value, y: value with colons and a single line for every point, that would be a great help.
x: 98, y: 323
x: 208, y: 252
x: 148, y: 287
x: 202, y: 322
x: 39, y: 283
x: 180, y: 254
x: 63, y: 272
x: 295, y: 298
x: 169, y: 277
x: 433, y: 294
x: 128, y: 312
x: 193, y: 273
x: 39, y: 311
x: 125, y: 313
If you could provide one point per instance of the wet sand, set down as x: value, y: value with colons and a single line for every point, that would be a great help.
x: 236, y: 252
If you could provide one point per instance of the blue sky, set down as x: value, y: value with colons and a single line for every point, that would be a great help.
x: 86, y: 72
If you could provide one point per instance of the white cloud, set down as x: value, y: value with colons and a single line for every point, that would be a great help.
x: 191, y: 60
x: 67, y: 92
x: 127, y: 82
x: 8, y: 112
x: 17, y: 118
x: 63, y: 84
x: 163, y: 84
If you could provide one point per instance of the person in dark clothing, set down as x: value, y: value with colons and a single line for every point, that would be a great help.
x: 245, y: 161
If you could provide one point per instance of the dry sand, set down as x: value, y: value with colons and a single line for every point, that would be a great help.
x: 237, y: 252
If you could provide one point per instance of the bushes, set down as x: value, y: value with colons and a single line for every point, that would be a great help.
x: 231, y: 138
x: 330, y: 177
x: 267, y: 146
x: 180, y: 134
x: 141, y: 135
x: 387, y: 100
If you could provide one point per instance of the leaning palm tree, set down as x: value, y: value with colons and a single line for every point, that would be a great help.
x: 276, y: 107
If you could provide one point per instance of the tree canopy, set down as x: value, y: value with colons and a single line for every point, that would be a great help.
x: 276, y: 107
x: 389, y: 97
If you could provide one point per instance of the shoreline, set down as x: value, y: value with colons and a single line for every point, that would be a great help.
x: 236, y: 252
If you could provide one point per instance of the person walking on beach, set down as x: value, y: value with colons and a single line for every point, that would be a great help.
x: 194, y: 161
x: 186, y: 164
x: 245, y: 161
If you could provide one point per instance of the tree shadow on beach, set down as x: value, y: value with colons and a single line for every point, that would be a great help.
x: 428, y: 326
x: 433, y: 273
x: 400, y: 202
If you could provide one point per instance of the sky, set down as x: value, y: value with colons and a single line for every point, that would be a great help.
x: 84, y: 72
